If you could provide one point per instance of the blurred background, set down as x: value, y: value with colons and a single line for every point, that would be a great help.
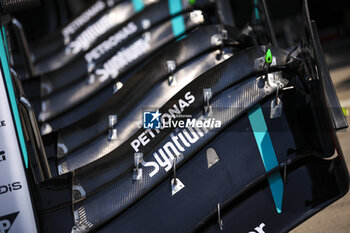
x: 333, y: 21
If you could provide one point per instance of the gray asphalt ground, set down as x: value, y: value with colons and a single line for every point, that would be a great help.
x: 336, y: 217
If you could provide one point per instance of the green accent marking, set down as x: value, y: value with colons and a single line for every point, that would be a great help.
x: 268, y: 57
x: 345, y: 111
x: 13, y: 100
x: 192, y: 2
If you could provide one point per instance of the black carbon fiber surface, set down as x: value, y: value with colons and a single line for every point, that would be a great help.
x: 226, y: 109
x: 146, y: 45
x: 206, y: 187
x: 75, y: 66
x: 130, y: 122
x: 141, y: 82
x: 124, y: 191
x: 12, y: 6
x: 53, y: 44
x: 157, y: 70
x: 218, y: 79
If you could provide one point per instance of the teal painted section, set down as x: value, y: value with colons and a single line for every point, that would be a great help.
x: 138, y: 5
x: 257, y: 16
x: 13, y: 100
x: 5, y: 40
x: 267, y: 153
x: 177, y: 22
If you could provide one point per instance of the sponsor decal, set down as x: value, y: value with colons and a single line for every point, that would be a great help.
x: 187, y: 132
x: 2, y: 156
x: 90, y: 34
x: 124, y: 57
x: 10, y: 187
x: 6, y: 222
x: 76, y: 24
x: 111, y: 42
x: 258, y: 229
x: 179, y: 141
